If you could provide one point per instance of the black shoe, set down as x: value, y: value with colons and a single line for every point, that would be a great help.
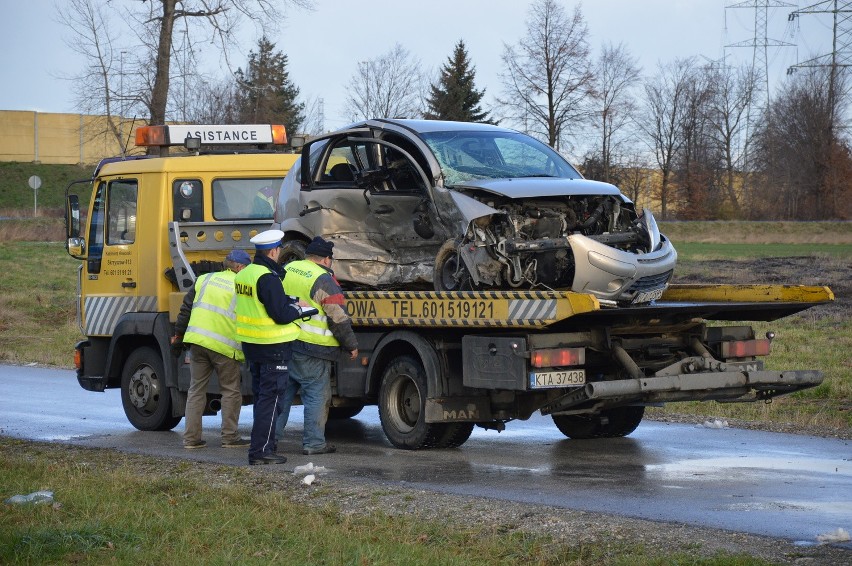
x: 327, y: 449
x: 267, y: 459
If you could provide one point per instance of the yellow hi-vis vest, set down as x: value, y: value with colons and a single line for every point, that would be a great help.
x: 301, y: 276
x: 212, y: 322
x: 254, y: 324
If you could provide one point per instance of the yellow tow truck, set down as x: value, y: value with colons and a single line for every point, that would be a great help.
x: 436, y: 363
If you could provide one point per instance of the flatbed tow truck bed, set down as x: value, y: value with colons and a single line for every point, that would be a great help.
x: 562, y: 310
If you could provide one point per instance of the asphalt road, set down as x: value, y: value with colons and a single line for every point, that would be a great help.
x: 784, y: 486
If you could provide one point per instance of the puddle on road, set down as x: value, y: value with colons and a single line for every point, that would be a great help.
x: 684, y: 469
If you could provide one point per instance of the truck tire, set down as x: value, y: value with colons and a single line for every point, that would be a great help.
x: 292, y: 250
x: 402, y: 406
x: 144, y: 395
x: 335, y: 413
x: 611, y: 423
x: 455, y: 435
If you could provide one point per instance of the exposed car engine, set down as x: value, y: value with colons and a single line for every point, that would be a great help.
x: 529, y: 243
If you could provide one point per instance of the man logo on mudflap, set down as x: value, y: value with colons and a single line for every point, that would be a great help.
x: 244, y: 289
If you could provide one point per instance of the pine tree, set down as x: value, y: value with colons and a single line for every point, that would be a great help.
x: 454, y: 96
x: 266, y: 93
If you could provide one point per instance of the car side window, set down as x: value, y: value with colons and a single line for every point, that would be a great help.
x: 402, y: 175
x: 340, y: 166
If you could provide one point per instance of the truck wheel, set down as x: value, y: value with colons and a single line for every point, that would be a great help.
x: 292, y: 250
x: 335, y: 413
x: 450, y: 273
x: 611, y: 423
x: 402, y: 403
x: 455, y: 435
x: 144, y: 395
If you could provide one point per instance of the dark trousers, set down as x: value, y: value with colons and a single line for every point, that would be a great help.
x: 269, y: 382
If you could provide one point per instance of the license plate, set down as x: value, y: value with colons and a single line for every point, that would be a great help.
x: 648, y: 296
x: 566, y: 378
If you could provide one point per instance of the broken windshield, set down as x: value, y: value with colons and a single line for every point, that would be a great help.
x: 467, y: 156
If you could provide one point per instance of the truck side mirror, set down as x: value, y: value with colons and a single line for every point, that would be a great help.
x: 72, y: 217
x: 74, y: 244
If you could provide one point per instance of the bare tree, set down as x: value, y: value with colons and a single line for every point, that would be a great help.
x: 389, y: 86
x: 635, y: 179
x: 91, y: 37
x: 151, y: 42
x: 218, y: 104
x: 696, y: 164
x: 616, y: 74
x: 666, y: 98
x: 802, y: 163
x: 218, y: 19
x: 314, y: 123
x: 732, y: 92
x: 548, y: 74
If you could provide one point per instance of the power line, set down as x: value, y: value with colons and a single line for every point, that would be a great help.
x: 841, y: 44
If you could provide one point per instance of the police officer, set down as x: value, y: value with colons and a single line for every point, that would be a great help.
x: 319, y: 343
x: 265, y: 316
x: 208, y: 323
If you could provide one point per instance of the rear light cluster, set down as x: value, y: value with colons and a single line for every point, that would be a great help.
x: 745, y: 348
x: 558, y: 357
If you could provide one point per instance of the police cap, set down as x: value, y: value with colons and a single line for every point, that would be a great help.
x: 267, y: 239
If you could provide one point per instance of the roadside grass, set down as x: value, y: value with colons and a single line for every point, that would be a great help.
x: 16, y: 194
x: 38, y: 312
x: 698, y: 251
x: 769, y: 232
x: 47, y: 227
x: 128, y: 509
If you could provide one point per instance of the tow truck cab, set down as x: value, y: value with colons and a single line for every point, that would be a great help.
x: 217, y: 192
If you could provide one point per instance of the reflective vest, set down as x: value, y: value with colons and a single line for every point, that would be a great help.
x: 212, y: 321
x: 254, y: 324
x: 300, y: 279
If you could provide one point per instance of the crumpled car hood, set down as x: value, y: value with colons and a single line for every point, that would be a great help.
x: 540, y: 187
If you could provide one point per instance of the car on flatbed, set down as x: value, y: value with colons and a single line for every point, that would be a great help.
x: 465, y: 206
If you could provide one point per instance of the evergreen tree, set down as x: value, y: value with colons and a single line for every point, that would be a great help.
x: 454, y: 97
x: 266, y: 93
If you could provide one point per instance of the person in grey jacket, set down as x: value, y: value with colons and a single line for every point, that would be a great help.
x: 320, y: 341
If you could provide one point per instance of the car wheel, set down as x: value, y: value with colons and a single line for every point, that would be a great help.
x: 292, y: 250
x: 611, y: 423
x: 146, y: 399
x: 402, y: 406
x: 450, y: 272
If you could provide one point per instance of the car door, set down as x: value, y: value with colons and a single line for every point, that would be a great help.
x: 371, y: 198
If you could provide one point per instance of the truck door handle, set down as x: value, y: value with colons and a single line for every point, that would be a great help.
x: 383, y: 209
x: 129, y: 284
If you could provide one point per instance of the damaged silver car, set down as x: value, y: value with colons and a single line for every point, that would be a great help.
x: 462, y: 206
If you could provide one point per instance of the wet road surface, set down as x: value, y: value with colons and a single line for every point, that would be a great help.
x: 786, y: 486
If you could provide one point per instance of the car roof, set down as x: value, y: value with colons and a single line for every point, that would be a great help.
x: 426, y: 126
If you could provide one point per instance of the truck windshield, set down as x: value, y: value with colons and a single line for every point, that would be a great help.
x: 241, y: 199
x: 466, y: 156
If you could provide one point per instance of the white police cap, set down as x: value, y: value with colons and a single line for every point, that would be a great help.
x: 267, y: 239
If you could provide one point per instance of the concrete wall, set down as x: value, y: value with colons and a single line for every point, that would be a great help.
x: 45, y: 137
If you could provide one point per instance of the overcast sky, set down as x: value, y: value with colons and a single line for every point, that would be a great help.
x: 325, y: 45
